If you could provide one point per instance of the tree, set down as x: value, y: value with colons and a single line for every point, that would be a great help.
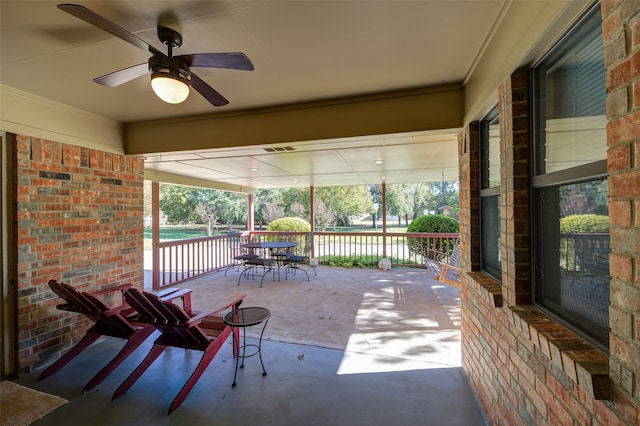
x: 207, y: 212
x: 441, y: 194
x: 345, y: 202
x: 147, y: 198
x: 298, y: 210
x: 230, y: 208
x: 399, y: 201
x: 271, y: 211
x: 376, y: 198
x: 268, y: 204
x: 322, y: 214
x: 186, y: 204
x: 177, y: 203
x: 420, y: 199
x: 295, y: 202
x: 584, y: 198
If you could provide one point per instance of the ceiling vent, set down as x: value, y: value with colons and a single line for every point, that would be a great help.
x: 280, y: 149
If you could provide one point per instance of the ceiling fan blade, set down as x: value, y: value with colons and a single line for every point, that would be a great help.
x: 234, y: 61
x: 96, y: 20
x: 215, y: 98
x: 117, y: 78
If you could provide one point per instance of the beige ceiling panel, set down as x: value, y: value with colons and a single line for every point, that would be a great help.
x: 365, y: 160
x: 282, y: 182
x: 158, y: 158
x: 337, y: 143
x: 233, y: 151
x: 237, y: 166
x: 319, y: 162
x: 188, y: 170
x: 338, y: 179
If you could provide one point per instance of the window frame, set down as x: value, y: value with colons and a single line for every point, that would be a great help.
x: 540, y: 179
x: 492, y: 267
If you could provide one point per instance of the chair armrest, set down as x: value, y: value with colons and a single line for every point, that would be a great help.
x: 173, y: 293
x: 445, y: 279
x: 122, y: 288
x: 447, y: 266
x: 233, y: 301
x: 436, y: 255
x: 118, y: 310
x: 170, y: 294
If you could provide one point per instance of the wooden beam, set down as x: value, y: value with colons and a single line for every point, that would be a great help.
x: 433, y: 108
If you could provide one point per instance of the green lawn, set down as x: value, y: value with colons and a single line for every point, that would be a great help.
x: 175, y: 233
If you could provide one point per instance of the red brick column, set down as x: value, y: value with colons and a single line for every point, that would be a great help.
x: 78, y: 218
x: 469, y: 144
x: 514, y: 188
x: 621, y: 32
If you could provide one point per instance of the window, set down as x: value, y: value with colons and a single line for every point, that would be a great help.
x: 571, y: 222
x: 490, y: 194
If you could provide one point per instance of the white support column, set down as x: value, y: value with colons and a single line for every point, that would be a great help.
x: 250, y: 212
x: 155, y: 233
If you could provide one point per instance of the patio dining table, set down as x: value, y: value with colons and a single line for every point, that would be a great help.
x: 271, y: 245
x: 269, y: 256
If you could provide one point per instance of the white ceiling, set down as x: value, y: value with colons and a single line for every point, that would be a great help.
x: 302, y: 51
x: 403, y: 158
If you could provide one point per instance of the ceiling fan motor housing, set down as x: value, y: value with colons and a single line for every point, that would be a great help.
x: 163, y: 66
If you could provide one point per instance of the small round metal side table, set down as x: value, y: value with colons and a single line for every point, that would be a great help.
x: 241, y: 318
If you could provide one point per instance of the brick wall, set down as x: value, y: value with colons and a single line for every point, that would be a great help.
x: 78, y: 218
x: 525, y: 368
x: 621, y: 31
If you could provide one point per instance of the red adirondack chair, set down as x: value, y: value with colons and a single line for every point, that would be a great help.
x: 204, y: 331
x: 109, y: 321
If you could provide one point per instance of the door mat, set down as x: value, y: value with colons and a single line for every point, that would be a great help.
x: 22, y: 406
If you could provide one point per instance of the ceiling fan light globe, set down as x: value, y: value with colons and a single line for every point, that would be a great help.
x: 169, y: 89
x: 170, y: 78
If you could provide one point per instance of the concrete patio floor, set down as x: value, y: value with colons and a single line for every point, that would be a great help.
x: 349, y: 347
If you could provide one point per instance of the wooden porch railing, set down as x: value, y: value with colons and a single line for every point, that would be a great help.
x: 181, y: 260
x: 587, y: 252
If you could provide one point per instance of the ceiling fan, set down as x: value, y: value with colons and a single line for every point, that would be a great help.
x: 171, y: 75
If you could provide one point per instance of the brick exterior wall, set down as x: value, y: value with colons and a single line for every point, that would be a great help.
x: 78, y: 218
x: 621, y: 31
x: 525, y: 368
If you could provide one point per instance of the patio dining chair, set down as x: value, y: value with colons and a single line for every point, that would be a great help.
x: 204, y: 331
x: 239, y: 253
x: 294, y: 261
x: 108, y: 321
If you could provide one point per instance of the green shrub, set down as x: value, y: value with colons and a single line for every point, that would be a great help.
x: 291, y: 224
x: 584, y: 224
x: 433, y: 223
x: 353, y: 261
